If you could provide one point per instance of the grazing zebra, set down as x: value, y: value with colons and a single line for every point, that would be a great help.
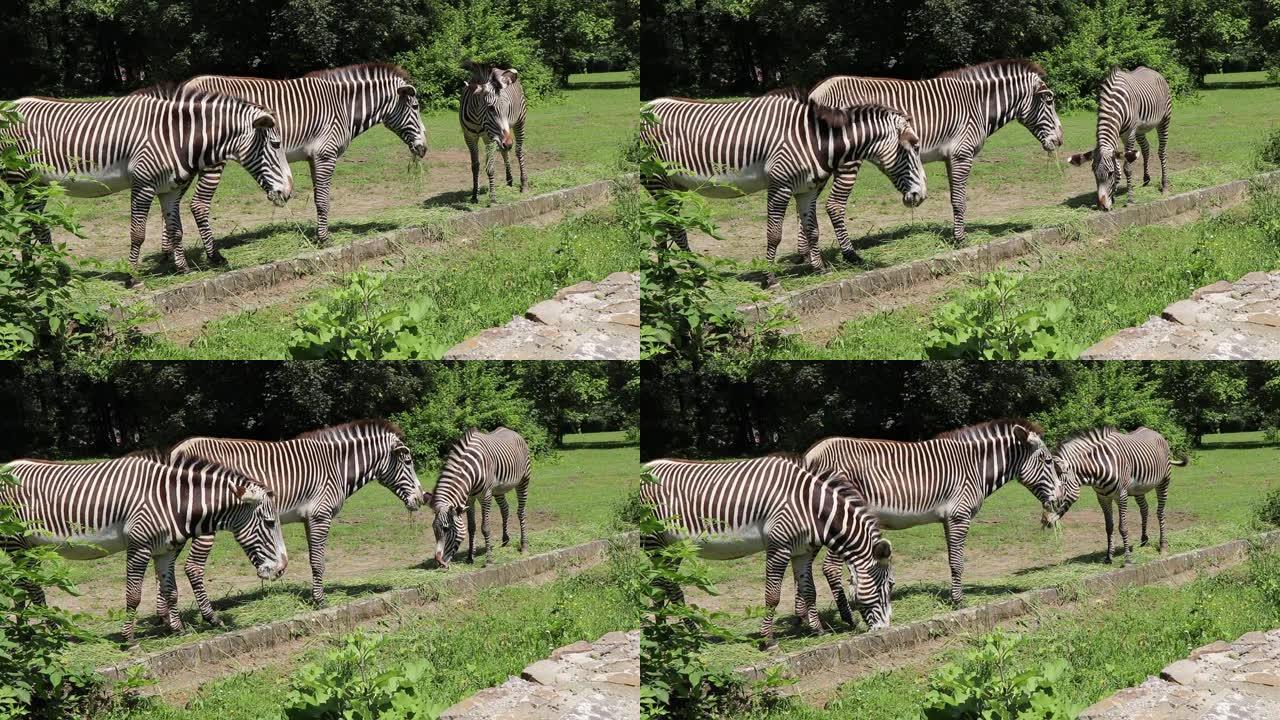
x: 785, y: 143
x: 954, y: 114
x: 311, y: 476
x: 945, y: 479
x: 773, y: 504
x: 483, y: 466
x: 320, y: 114
x: 492, y: 107
x: 1130, y: 105
x: 1119, y: 465
x: 147, y: 506
x: 152, y: 143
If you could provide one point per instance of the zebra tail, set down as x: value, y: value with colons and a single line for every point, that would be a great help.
x: 1180, y: 463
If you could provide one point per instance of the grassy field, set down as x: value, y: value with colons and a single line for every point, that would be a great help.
x: 1014, y: 187
x: 1209, y: 502
x: 374, y: 546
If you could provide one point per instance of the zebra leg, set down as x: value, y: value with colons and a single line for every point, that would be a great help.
x: 167, y: 597
x: 837, y: 205
x: 958, y: 168
x: 956, y: 530
x: 201, y: 205
x: 506, y: 162
x: 1142, y: 510
x: 137, y: 557
x: 779, y: 195
x: 322, y: 183
x: 775, y: 567
x: 43, y: 233
x: 471, y: 532
x: 194, y: 567
x: 524, y: 179
x: 488, y: 168
x: 1146, y: 152
x: 502, y: 508
x: 1162, y: 135
x: 140, y: 197
x: 171, y: 209
x: 1162, y: 494
x: 1107, y: 522
x: 317, y: 527
x: 806, y: 593
x: 833, y: 570
x: 1122, y: 504
x: 486, y: 505
x: 1128, y: 170
x: 475, y: 168
x: 807, y: 211
x: 522, y: 496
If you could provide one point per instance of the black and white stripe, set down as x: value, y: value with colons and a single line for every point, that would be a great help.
x: 945, y: 479
x: 311, y: 476
x: 954, y: 114
x: 492, y: 109
x: 1118, y: 466
x: 484, y: 467
x: 1130, y: 105
x: 776, y: 506
x: 783, y: 143
x: 147, y: 506
x: 152, y: 143
x: 319, y: 116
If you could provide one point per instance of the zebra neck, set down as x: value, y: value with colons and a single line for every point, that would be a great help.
x: 999, y: 103
x: 366, y: 96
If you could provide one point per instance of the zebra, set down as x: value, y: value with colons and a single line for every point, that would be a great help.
x: 311, y: 475
x: 954, y: 114
x: 945, y: 479
x: 153, y: 143
x: 1118, y: 465
x: 320, y: 115
x: 492, y: 107
x: 1130, y: 105
x: 774, y: 504
x: 782, y: 142
x: 146, y: 505
x: 483, y: 466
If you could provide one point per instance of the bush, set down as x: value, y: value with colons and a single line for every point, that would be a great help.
x: 1110, y: 33
x: 1267, y: 510
x: 346, y: 685
x: 1115, y: 394
x: 1268, y: 154
x: 486, y: 31
x: 984, y: 324
x: 987, y: 684
x: 469, y: 395
x: 353, y: 325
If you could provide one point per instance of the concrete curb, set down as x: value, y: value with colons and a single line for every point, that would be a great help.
x: 983, y: 618
x: 344, y: 617
x: 807, y: 301
x: 347, y: 256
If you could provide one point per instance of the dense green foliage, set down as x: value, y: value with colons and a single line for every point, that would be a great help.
x: 987, y: 683
x: 354, y: 324
x: 348, y: 684
x: 984, y: 324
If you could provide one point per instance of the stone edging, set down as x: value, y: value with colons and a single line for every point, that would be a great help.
x: 257, y: 277
x: 983, y: 618
x: 348, y: 615
x: 819, y: 297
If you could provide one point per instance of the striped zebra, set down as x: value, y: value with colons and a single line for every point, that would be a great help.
x: 147, y: 506
x: 311, y: 475
x: 954, y: 114
x: 152, y: 143
x: 1118, y: 465
x: 492, y: 108
x: 774, y: 505
x: 320, y: 115
x: 484, y: 467
x: 781, y: 142
x: 1130, y: 105
x: 945, y: 479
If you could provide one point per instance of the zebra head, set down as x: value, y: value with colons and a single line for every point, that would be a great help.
x: 1038, y: 472
x: 1106, y: 160
x: 872, y: 581
x: 261, y: 152
x: 256, y: 527
x: 896, y: 150
x: 399, y: 475
x: 1040, y: 116
x: 404, y: 118
x: 463, y: 466
x: 492, y: 90
x: 857, y: 545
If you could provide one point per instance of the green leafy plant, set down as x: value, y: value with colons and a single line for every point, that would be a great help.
x: 1268, y: 154
x: 347, y: 684
x: 1267, y: 510
x: 985, y: 324
x: 353, y: 324
x: 988, y: 684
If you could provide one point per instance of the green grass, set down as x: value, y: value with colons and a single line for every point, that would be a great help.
x: 1217, y: 491
x: 476, y: 644
x: 573, y: 495
x: 1110, y: 287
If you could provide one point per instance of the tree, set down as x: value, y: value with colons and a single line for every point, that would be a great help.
x: 1203, y: 395
x: 564, y: 394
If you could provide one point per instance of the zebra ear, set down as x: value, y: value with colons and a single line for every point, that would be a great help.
x: 1080, y: 158
x: 264, y: 121
x: 881, y: 551
x: 428, y: 498
x: 1130, y: 155
x: 409, y: 90
x: 252, y: 494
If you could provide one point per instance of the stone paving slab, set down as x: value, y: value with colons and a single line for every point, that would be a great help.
x: 1224, y: 321
x: 582, y: 681
x: 1220, y: 681
x: 586, y: 321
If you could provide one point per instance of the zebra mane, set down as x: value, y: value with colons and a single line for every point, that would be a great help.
x: 985, y: 69
x: 192, y: 463
x: 1089, y: 434
x: 979, y: 429
x: 327, y: 433
x: 835, y: 117
x: 794, y: 457
x: 351, y: 72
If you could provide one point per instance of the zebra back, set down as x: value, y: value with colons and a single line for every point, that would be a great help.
x: 1129, y: 100
x: 480, y: 462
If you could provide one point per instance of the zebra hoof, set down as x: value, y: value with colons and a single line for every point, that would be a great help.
x: 851, y: 257
x: 523, y: 547
x: 768, y: 645
x: 214, y: 621
x: 130, y: 283
x: 1143, y: 542
x: 217, y: 259
x: 1107, y: 559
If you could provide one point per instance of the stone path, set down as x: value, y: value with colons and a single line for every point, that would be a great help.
x: 582, y: 681
x: 1222, y: 321
x: 1220, y: 681
x: 587, y: 321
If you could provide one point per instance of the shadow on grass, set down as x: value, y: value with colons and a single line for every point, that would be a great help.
x: 619, y: 84
x: 600, y: 444
x: 456, y: 199
x: 1241, y: 85
x: 1241, y: 444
